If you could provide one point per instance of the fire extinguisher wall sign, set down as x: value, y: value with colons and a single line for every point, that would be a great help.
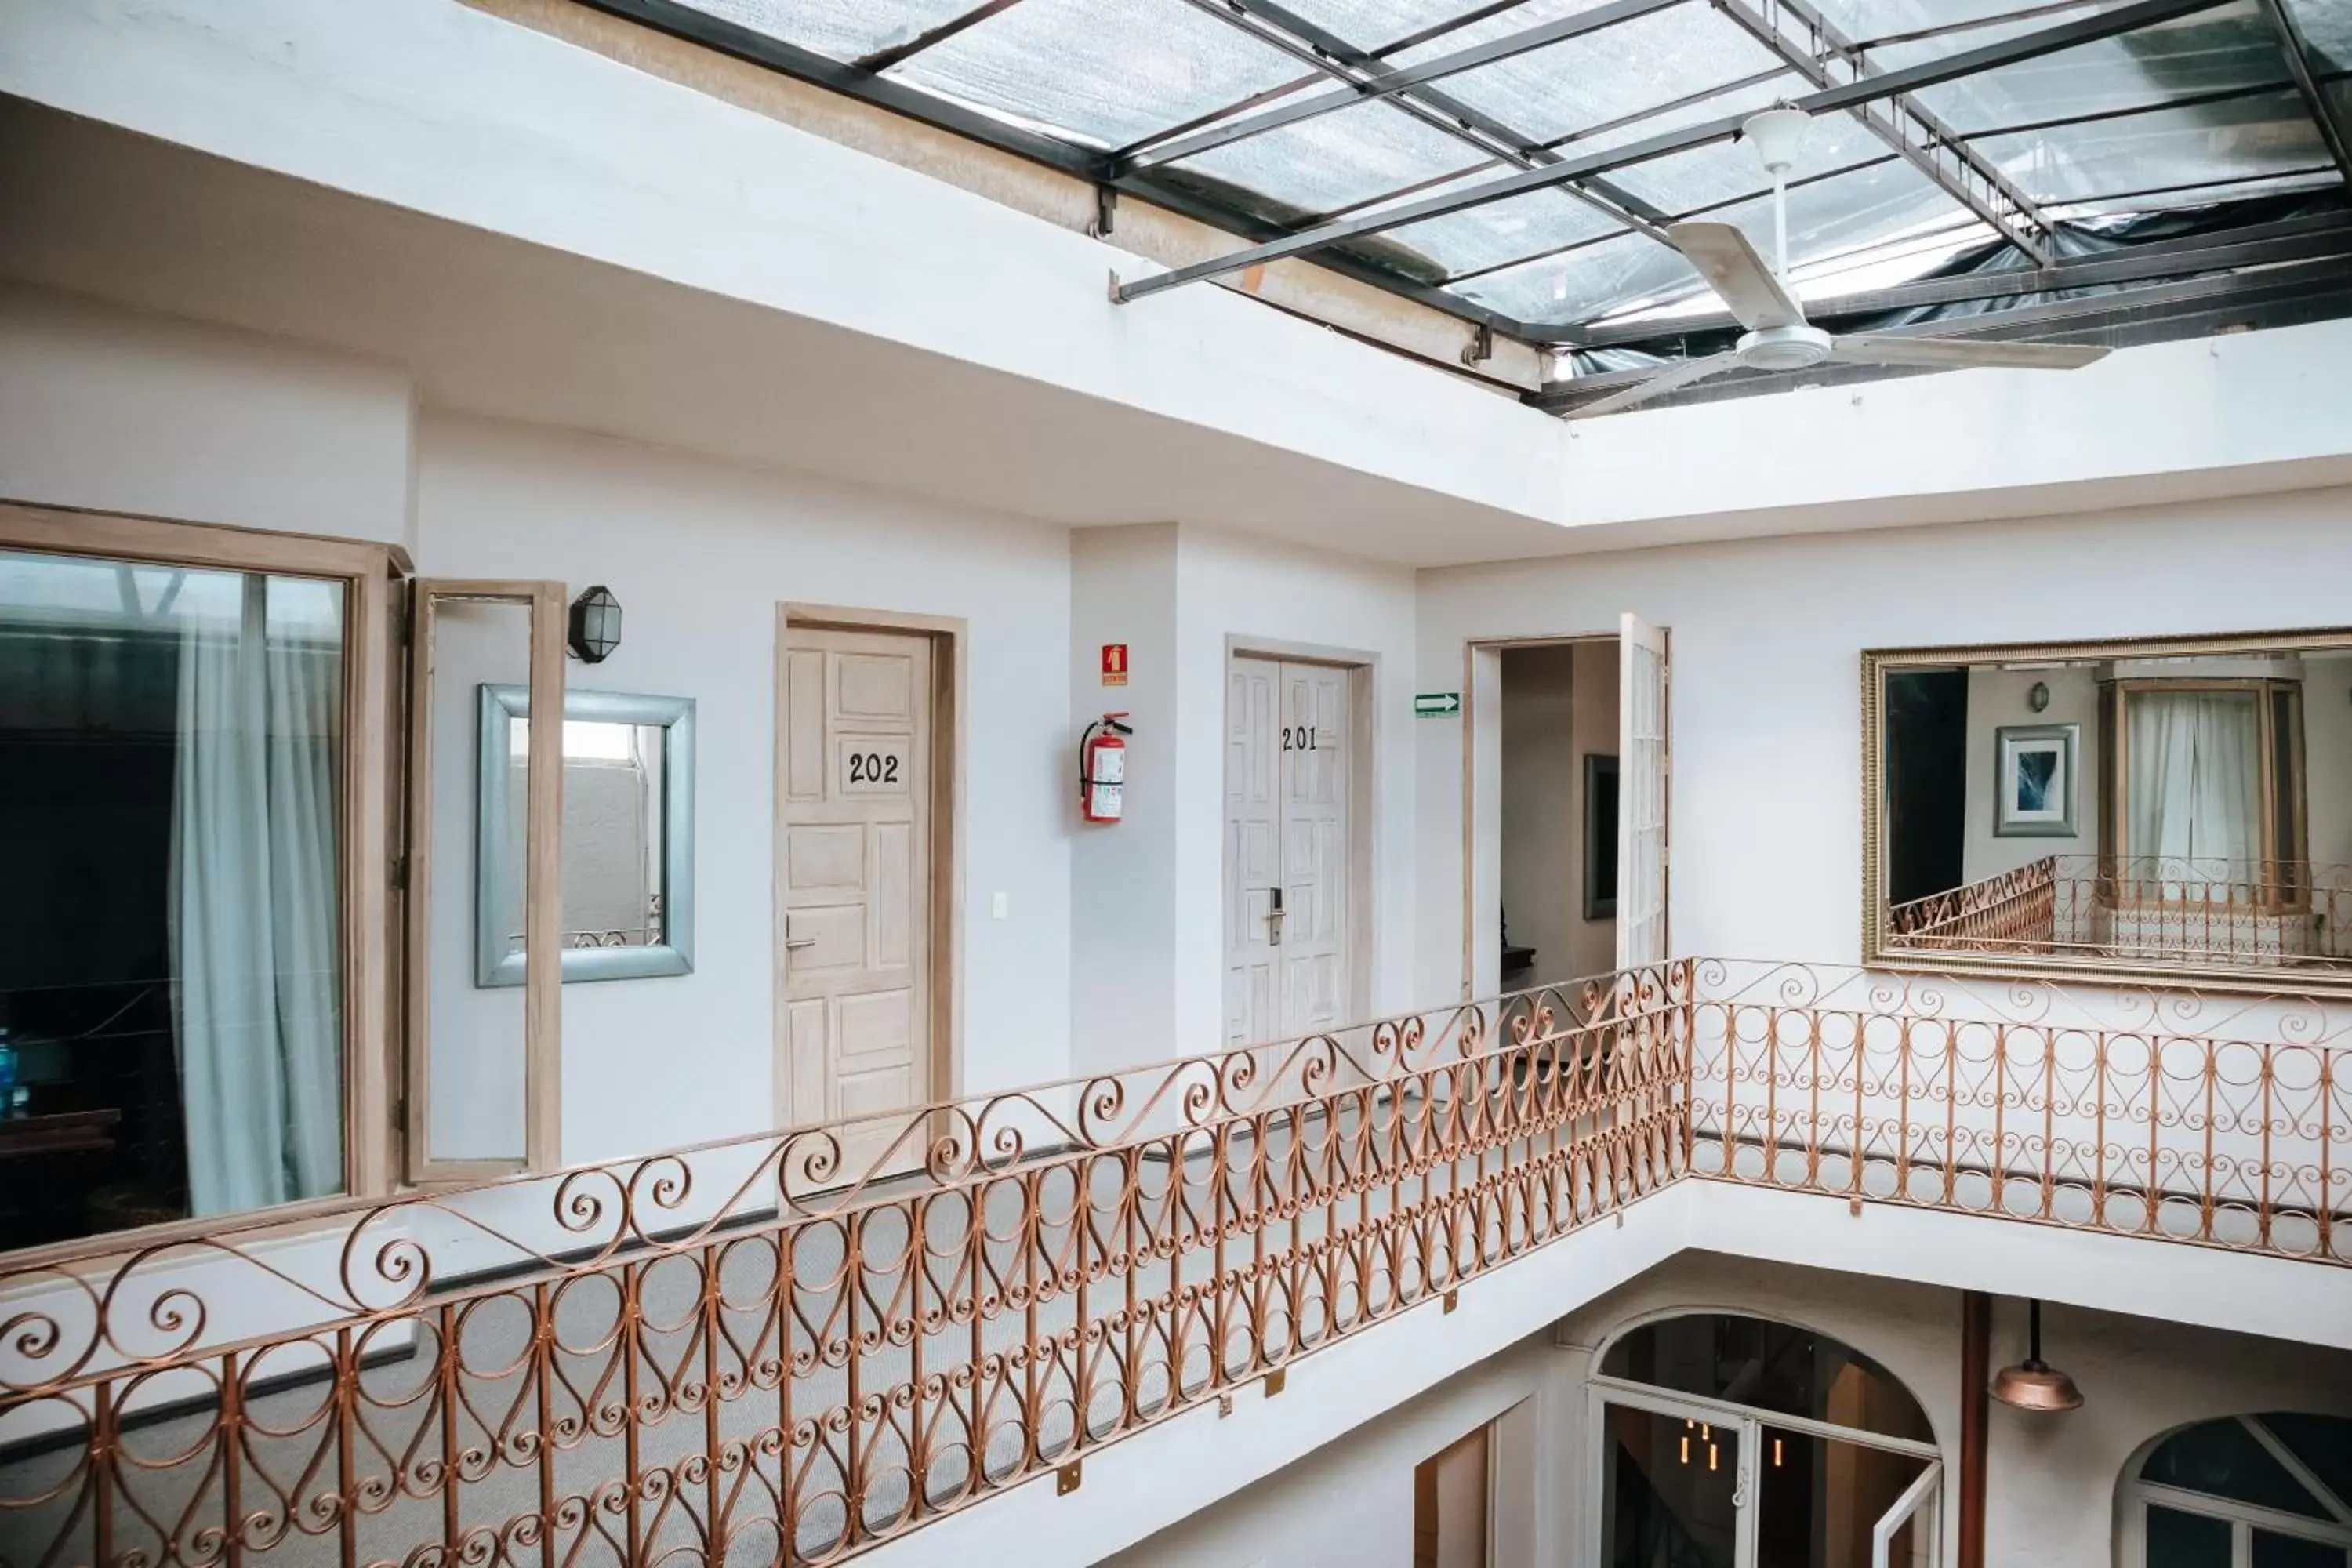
x: 1102, y: 768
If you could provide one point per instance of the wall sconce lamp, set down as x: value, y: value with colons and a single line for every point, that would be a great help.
x: 2033, y: 1384
x: 595, y: 624
x: 2038, y: 698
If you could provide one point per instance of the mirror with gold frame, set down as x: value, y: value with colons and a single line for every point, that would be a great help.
x: 2169, y: 807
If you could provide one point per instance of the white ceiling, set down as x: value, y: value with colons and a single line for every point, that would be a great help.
x: 493, y: 325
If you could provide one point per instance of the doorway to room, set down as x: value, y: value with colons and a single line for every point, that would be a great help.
x: 1565, y: 773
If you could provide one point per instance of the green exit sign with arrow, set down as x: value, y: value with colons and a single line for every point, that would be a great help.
x: 1436, y: 704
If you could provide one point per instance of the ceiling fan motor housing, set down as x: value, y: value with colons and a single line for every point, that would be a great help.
x: 1796, y: 347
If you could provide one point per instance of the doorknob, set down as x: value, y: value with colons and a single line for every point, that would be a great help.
x: 1274, y: 918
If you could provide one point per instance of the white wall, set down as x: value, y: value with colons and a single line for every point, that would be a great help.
x: 1351, y: 1501
x: 1767, y: 799
x: 1997, y: 699
x: 1149, y: 954
x: 1235, y: 589
x: 117, y: 411
x: 1123, y: 875
x: 700, y: 554
x: 2051, y: 1481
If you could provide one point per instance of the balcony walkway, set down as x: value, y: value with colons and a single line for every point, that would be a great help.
x: 731, y: 1345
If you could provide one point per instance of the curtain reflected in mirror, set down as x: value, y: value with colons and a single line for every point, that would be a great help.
x: 626, y: 840
x: 2138, y: 806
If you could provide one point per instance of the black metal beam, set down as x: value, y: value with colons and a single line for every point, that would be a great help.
x: 2298, y: 50
x: 883, y: 60
x: 1975, y: 182
x: 1064, y: 157
x: 2293, y: 239
x: 765, y: 49
x: 1151, y: 155
x: 1868, y: 89
x: 1271, y: 23
x: 2060, y: 318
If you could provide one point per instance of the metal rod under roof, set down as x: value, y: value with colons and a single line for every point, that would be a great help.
x: 1868, y: 89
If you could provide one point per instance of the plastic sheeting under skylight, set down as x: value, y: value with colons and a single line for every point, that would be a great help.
x: 2201, y: 108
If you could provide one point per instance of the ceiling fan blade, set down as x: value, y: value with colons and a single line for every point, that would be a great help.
x: 1867, y: 349
x: 1739, y: 275
x: 1678, y: 374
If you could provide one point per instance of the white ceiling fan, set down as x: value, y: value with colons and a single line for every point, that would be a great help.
x: 1778, y: 338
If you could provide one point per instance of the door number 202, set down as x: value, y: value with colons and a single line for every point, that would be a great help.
x: 873, y: 767
x: 1298, y: 738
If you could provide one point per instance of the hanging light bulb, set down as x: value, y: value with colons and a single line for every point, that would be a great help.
x: 2033, y: 1384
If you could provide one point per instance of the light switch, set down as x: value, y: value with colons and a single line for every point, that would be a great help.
x: 999, y: 905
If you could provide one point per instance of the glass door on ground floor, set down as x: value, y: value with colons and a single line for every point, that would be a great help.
x: 1722, y: 1441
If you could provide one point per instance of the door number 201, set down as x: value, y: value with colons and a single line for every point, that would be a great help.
x: 1298, y: 738
x: 873, y: 767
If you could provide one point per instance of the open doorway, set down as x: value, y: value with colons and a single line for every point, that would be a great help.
x: 1566, y: 768
x: 1558, y: 919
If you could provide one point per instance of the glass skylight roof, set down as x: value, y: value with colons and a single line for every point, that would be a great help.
x: 1272, y: 117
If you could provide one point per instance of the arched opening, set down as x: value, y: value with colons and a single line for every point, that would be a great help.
x: 2272, y: 1491
x: 1728, y: 1441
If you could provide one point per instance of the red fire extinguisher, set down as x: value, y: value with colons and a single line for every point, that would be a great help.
x: 1102, y: 768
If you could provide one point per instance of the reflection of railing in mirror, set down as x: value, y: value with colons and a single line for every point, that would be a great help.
x: 2147, y: 909
x: 646, y: 935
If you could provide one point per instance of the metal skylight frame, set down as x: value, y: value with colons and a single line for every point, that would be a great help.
x: 1868, y: 89
x: 1342, y: 74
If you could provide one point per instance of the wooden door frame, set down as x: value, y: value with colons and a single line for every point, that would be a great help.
x: 1363, y: 666
x: 545, y: 602
x: 1474, y: 678
x: 950, y: 637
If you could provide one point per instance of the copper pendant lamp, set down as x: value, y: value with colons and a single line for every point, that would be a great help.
x: 2033, y: 1384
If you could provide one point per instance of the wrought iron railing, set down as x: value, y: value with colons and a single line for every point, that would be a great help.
x: 2170, y: 1113
x: 794, y: 1347
x: 791, y: 1347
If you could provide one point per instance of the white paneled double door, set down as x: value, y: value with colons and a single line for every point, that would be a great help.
x: 1289, y: 848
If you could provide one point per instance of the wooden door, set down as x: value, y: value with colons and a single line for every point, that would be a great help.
x: 1289, y: 925
x: 856, y: 890
x: 1315, y: 848
x: 1643, y: 770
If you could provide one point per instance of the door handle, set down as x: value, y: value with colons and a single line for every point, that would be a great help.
x: 793, y: 944
x: 1274, y: 918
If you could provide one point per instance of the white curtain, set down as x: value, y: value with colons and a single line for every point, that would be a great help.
x: 254, y: 945
x: 2195, y: 791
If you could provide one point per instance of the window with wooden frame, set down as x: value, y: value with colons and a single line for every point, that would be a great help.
x: 2203, y: 781
x: 194, y: 969
x: 215, y: 994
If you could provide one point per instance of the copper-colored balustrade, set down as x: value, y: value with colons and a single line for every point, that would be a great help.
x: 2218, y: 1119
x: 795, y: 1346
